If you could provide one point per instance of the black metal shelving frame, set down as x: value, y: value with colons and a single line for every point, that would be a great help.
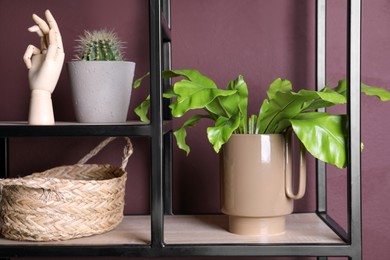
x: 159, y: 131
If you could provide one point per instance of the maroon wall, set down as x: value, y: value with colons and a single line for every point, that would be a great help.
x: 261, y: 40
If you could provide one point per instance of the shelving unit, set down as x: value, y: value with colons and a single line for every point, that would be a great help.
x: 163, y: 234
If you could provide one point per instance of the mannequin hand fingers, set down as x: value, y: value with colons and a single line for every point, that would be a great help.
x: 53, y: 41
x: 44, y: 45
x: 30, y: 51
x: 53, y: 47
x: 41, y: 23
x: 53, y: 25
x: 52, y: 22
x: 42, y: 32
x: 36, y: 29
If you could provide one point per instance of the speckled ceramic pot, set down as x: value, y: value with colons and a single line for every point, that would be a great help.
x: 101, y: 90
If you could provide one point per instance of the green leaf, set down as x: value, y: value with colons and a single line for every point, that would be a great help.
x: 279, y: 85
x: 341, y: 88
x: 322, y: 99
x: 285, y: 105
x: 224, y: 105
x: 240, y: 85
x: 181, y: 133
x: 262, y: 113
x: 272, y: 110
x: 169, y: 93
x: 282, y: 106
x: 192, y: 95
x: 380, y: 93
x: 221, y: 132
x: 323, y: 135
x: 234, y: 104
x: 138, y: 82
x: 191, y: 75
x: 142, y: 110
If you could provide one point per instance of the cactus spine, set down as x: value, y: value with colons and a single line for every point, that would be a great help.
x: 99, y: 46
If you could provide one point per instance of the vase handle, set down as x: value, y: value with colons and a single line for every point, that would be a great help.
x: 302, y: 170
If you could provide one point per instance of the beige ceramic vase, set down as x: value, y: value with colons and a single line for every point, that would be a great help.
x: 256, y: 183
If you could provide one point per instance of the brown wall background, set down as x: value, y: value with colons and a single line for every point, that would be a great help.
x: 259, y: 39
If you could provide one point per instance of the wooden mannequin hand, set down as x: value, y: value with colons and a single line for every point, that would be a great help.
x: 45, y: 64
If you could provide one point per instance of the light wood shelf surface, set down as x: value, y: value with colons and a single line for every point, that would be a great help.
x: 304, y: 228
x: 132, y: 230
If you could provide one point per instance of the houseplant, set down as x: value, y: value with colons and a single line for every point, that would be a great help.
x: 100, y: 79
x: 322, y: 134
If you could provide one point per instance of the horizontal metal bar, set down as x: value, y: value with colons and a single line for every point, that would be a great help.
x: 178, y: 250
x: 75, y: 251
x: 258, y: 250
x: 22, y: 129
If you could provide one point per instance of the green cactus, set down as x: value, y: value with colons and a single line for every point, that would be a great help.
x: 99, y: 45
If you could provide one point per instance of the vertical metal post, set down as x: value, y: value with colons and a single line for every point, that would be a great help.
x: 155, y: 37
x: 4, y: 163
x: 4, y: 157
x: 320, y: 82
x: 168, y: 208
x: 167, y: 64
x: 166, y: 9
x: 354, y: 157
x: 167, y: 54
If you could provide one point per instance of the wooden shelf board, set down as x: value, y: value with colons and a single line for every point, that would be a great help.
x: 302, y: 228
x: 133, y: 230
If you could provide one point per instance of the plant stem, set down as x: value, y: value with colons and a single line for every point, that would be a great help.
x: 252, y: 124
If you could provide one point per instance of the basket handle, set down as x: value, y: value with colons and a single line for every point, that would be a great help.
x: 127, y: 151
x: 46, y: 184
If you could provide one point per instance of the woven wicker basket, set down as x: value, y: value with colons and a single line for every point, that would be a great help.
x: 65, y: 202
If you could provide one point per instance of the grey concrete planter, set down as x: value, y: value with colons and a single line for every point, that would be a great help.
x: 101, y: 90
